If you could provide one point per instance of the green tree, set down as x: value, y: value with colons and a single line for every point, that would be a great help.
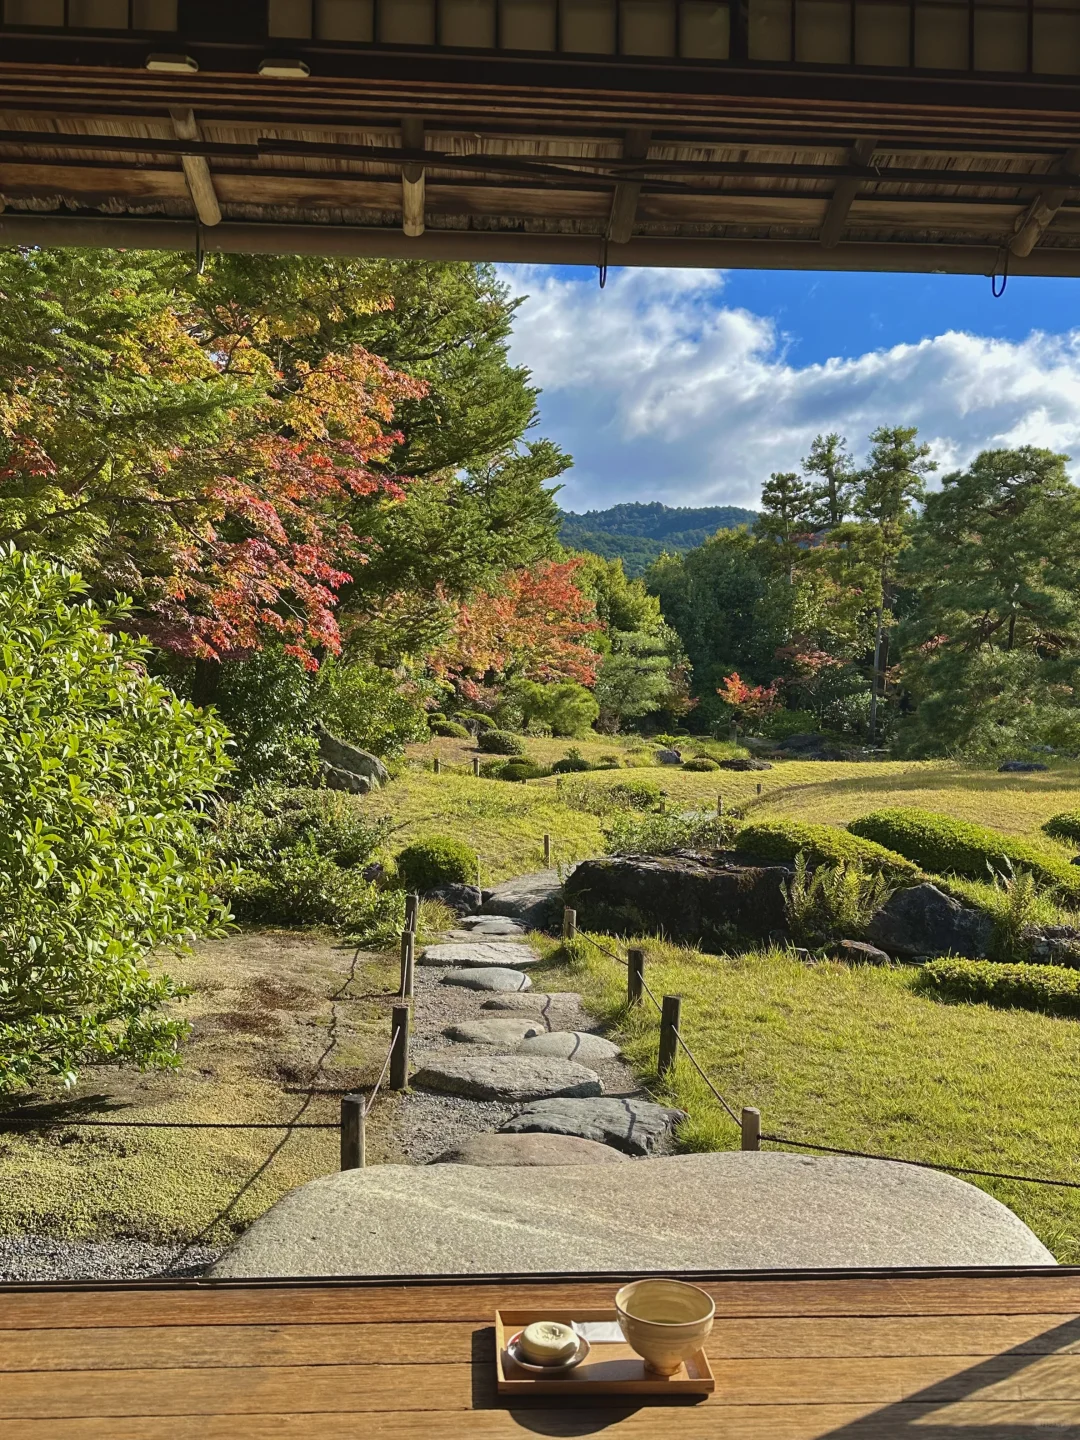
x: 992, y: 646
x: 635, y: 679
x: 784, y: 522
x: 569, y: 709
x: 102, y: 773
x: 834, y: 468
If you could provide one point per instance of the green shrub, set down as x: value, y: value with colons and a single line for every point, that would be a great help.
x: 608, y: 762
x: 450, y: 729
x: 475, y: 721
x: 833, y: 902
x: 1065, y: 826
x: 571, y: 763
x: 499, y: 742
x: 302, y: 887
x: 822, y: 844
x: 632, y: 833
x: 524, y: 769
x: 437, y: 860
x: 597, y: 799
x: 103, y: 773
x: 940, y: 844
x: 566, y: 707
x: 700, y: 762
x: 272, y: 820
x: 367, y: 705
x: 1053, y: 989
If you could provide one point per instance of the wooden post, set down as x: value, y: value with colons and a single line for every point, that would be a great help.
x: 352, y: 1132
x: 435, y: 765
x: 670, y: 1016
x: 759, y: 787
x: 476, y: 765
x: 408, y: 962
x: 751, y: 1128
x: 720, y: 805
x: 399, y: 1058
x: 547, y: 852
x: 412, y: 910
x: 569, y: 923
x: 635, y: 975
x: 663, y: 805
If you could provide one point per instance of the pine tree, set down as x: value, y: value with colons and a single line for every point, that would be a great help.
x: 786, y: 503
x: 830, y: 462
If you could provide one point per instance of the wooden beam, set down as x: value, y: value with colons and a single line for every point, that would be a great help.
x: 625, y: 201
x: 412, y: 178
x: 837, y: 212
x: 200, y: 182
x: 1033, y: 223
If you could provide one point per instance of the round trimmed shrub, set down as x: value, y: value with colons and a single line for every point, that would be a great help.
x: 437, y: 860
x: 1065, y: 826
x: 957, y: 847
x: 822, y: 845
x: 475, y: 721
x: 499, y: 742
x: 700, y: 762
x: 572, y: 763
x: 524, y: 769
x: 449, y: 730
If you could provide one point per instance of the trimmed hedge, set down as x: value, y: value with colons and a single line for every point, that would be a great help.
x: 572, y: 764
x: 499, y: 742
x: 946, y: 846
x: 435, y: 861
x: 1053, y: 989
x: 822, y: 844
x: 1065, y: 826
x: 449, y: 729
x: 700, y: 762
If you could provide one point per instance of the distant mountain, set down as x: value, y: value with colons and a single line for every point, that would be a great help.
x: 637, y: 533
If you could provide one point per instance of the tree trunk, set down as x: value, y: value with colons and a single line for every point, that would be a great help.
x: 877, y: 668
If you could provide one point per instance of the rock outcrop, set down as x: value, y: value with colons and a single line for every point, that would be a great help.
x: 347, y: 767
x: 923, y: 920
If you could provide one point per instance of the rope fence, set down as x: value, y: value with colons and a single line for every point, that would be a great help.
x: 748, y: 1117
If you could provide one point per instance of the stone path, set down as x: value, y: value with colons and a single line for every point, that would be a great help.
x: 505, y: 1075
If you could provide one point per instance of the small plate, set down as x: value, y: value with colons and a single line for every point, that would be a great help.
x: 513, y: 1349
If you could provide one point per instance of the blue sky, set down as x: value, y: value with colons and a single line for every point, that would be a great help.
x: 691, y: 386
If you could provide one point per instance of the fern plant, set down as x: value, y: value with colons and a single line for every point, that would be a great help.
x: 832, y: 902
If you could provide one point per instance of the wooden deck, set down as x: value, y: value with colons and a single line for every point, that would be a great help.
x: 974, y: 1355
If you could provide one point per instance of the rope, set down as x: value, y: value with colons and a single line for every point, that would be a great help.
x: 382, y: 1072
x: 693, y: 1061
x: 922, y: 1164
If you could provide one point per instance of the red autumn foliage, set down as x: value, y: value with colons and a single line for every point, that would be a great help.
x: 749, y: 700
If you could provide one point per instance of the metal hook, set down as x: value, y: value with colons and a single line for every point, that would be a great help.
x: 603, y: 262
x: 1002, y: 257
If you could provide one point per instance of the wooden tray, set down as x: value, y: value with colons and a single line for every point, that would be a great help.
x: 609, y: 1369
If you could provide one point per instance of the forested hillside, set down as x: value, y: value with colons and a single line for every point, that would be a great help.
x: 637, y: 534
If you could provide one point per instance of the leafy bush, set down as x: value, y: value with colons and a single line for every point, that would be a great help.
x: 475, y: 721
x: 833, y: 902
x: 522, y: 769
x: 822, y: 845
x: 449, y: 729
x: 596, y: 799
x: 632, y: 833
x: 608, y: 762
x: 1065, y: 826
x: 499, y: 742
x: 369, y: 706
x: 566, y: 707
x: 102, y: 775
x: 437, y: 860
x: 1053, y: 989
x: 572, y: 762
x: 296, y: 857
x: 700, y: 762
x: 779, y: 724
x: 939, y: 843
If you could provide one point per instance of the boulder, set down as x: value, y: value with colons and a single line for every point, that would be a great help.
x: 463, y: 899
x: 493, y: 925
x: 684, y: 1213
x: 807, y: 746
x: 639, y: 1127
x: 684, y: 897
x: 533, y: 1001
x: 506, y: 1033
x: 744, y: 762
x: 1021, y: 767
x: 339, y: 755
x: 535, y: 900
x: 514, y: 1078
x: 529, y: 1150
x: 487, y: 979
x: 478, y: 954
x: 923, y: 920
x: 669, y: 757
x: 858, y: 952
x: 336, y: 779
x: 579, y: 1045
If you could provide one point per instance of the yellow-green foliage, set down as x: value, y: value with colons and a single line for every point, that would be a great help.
x: 854, y: 1057
x: 821, y: 844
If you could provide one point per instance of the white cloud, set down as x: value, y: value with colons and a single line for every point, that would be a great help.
x: 660, y: 391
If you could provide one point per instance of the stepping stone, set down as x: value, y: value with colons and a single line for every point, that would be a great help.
x: 507, y: 1077
x: 517, y: 938
x: 492, y: 925
x: 529, y: 1150
x: 487, y: 979
x: 578, y: 1045
x: 535, y: 1000
x: 479, y: 954
x: 635, y: 1126
x: 493, y: 1032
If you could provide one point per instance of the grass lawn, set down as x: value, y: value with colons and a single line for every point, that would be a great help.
x: 853, y: 1057
x: 262, y: 1013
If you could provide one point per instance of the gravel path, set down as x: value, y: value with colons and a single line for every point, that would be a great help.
x: 34, y: 1257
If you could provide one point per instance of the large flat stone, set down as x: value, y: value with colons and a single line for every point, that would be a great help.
x: 534, y: 1000
x: 577, y: 1045
x: 480, y: 954
x: 535, y: 900
x: 492, y: 925
x: 499, y: 936
x: 529, y: 1150
x: 507, y: 1032
x: 637, y: 1126
x: 506, y: 1077
x: 487, y: 979
x: 730, y: 1211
